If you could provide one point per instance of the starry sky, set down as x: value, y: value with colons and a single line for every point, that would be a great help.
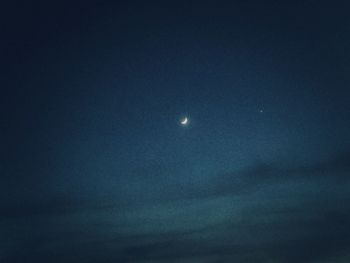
x: 95, y: 165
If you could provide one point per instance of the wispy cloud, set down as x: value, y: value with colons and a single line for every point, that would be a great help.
x: 265, y: 213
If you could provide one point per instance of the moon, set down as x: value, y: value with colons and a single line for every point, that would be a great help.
x: 184, y: 121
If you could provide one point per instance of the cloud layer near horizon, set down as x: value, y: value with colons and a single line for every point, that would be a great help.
x: 265, y: 213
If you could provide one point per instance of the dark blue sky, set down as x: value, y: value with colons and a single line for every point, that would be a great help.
x: 96, y: 167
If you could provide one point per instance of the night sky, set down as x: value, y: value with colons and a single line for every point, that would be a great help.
x: 95, y: 165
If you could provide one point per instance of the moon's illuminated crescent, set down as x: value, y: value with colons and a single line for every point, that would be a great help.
x: 184, y: 121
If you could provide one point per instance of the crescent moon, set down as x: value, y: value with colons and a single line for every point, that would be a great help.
x: 184, y: 121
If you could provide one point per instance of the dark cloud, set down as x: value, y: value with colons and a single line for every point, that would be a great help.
x: 261, y: 213
x: 28, y: 208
